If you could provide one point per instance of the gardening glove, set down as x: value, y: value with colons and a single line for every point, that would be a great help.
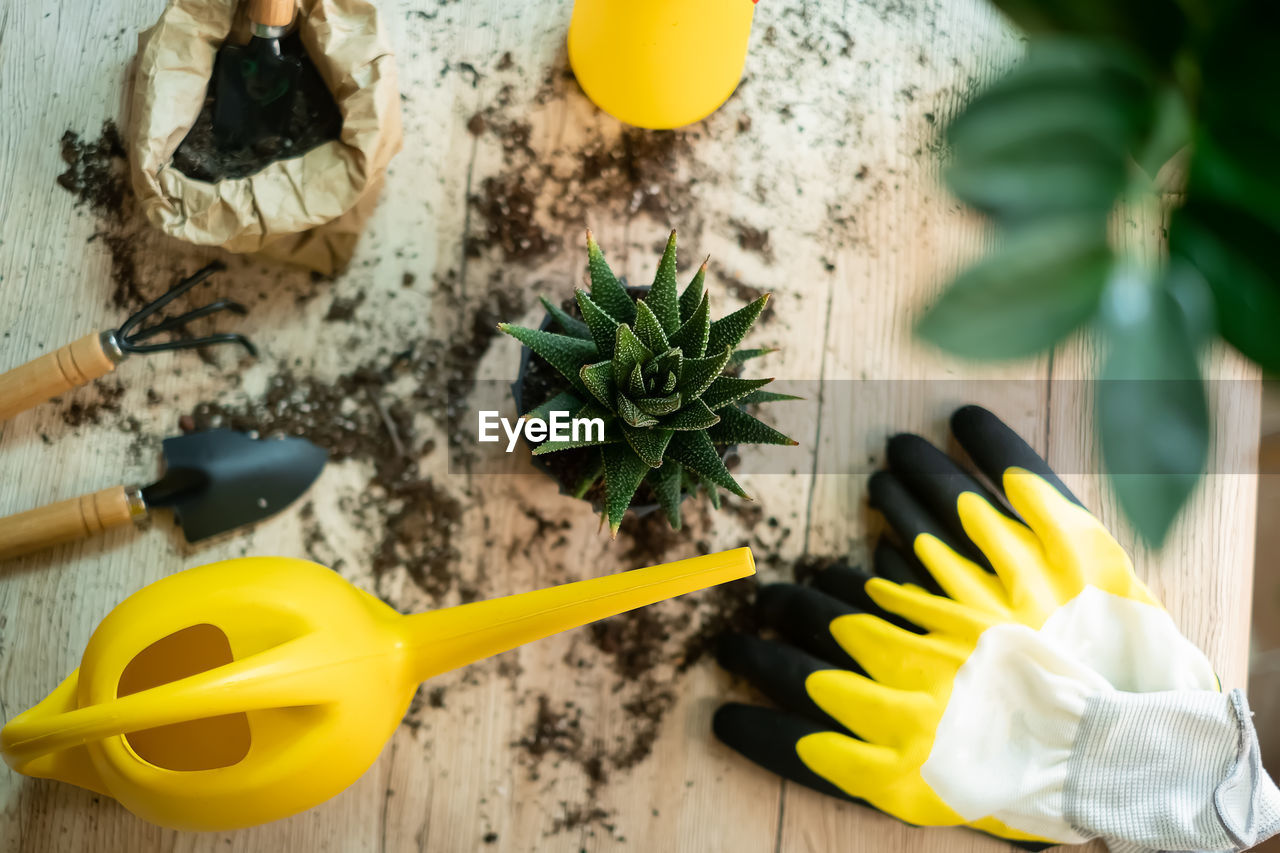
x: 1062, y: 573
x: 971, y: 719
x: 1034, y: 556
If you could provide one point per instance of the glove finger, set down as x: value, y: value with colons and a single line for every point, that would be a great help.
x: 1081, y: 549
x: 947, y: 561
x: 775, y: 740
x: 848, y: 584
x: 929, y: 611
x: 845, y: 583
x: 852, y: 639
x: 995, y: 448
x: 894, y: 564
x: 834, y: 698
x: 936, y: 481
x: 1007, y: 545
x: 902, y: 508
x: 778, y: 671
x: 803, y: 616
x: 895, y: 657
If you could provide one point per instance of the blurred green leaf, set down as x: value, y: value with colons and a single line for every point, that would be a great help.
x: 1235, y: 253
x: 1152, y: 411
x: 1054, y: 135
x: 1027, y: 295
x: 1235, y: 159
x: 1061, y: 174
x: 1170, y: 131
x: 1157, y: 27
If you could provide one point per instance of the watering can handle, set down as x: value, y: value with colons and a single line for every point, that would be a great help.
x: 269, y: 679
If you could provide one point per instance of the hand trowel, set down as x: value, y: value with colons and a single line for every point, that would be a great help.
x: 254, y: 85
x: 245, y: 691
x: 213, y: 481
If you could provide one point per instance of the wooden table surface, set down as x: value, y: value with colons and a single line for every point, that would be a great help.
x: 818, y: 181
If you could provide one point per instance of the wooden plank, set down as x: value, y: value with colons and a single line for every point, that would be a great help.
x: 817, y: 182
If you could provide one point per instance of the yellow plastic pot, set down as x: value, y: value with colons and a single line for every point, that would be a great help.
x: 248, y: 690
x: 659, y: 63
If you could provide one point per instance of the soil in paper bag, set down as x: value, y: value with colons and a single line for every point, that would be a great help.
x: 315, y: 120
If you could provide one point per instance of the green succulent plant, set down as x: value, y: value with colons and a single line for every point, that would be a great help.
x: 660, y: 373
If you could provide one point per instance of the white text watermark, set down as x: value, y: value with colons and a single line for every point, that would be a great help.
x: 559, y: 426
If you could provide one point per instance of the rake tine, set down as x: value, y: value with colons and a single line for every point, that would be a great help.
x: 171, y: 323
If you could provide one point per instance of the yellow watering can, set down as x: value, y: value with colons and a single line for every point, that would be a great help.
x: 248, y: 690
x: 659, y: 63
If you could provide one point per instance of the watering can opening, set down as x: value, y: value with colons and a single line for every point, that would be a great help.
x: 201, y: 744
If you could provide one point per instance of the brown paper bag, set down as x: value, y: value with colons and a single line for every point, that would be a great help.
x: 307, y: 210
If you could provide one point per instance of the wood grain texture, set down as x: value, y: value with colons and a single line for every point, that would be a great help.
x: 828, y: 150
x: 272, y: 13
x: 41, y: 379
x: 64, y: 521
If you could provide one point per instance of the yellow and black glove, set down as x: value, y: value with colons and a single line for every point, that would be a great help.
x: 1030, y: 554
x: 978, y: 678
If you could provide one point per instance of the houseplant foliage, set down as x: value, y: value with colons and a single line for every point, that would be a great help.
x: 1110, y: 92
x: 661, y: 374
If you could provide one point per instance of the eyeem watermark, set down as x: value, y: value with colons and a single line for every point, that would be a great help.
x: 558, y: 427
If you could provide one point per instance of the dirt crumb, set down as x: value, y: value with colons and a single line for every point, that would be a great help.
x: 97, y: 171
x: 80, y: 413
x: 752, y: 239
x: 344, y: 310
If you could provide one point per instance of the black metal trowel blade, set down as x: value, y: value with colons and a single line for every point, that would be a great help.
x: 221, y: 479
x: 253, y: 91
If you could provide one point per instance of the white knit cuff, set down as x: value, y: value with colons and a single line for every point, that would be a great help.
x: 1171, y: 771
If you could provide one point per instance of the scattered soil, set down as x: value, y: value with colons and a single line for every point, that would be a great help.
x: 646, y: 654
x: 636, y: 171
x: 420, y: 537
x: 344, y: 310
x: 752, y: 239
x: 98, y: 175
x: 97, y: 172
x: 80, y: 413
x: 559, y: 733
x: 314, y: 119
x: 507, y: 203
x: 639, y: 170
x: 354, y: 417
x: 344, y: 416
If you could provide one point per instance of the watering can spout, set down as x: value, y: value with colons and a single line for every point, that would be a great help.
x: 442, y: 640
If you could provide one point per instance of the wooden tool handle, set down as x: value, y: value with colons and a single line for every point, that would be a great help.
x: 271, y: 13
x: 64, y: 521
x: 53, y: 374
